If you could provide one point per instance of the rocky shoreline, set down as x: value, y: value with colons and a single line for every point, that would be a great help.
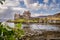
x: 40, y: 35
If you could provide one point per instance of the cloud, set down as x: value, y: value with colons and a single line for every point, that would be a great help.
x: 27, y: 3
x: 40, y: 14
x: 21, y: 0
x: 5, y: 9
x: 12, y: 2
x: 30, y: 3
x: 18, y: 8
x: 35, y: 15
x: 54, y: 1
x: 54, y: 6
x: 2, y: 9
x: 36, y: 5
x: 45, y: 1
x: 45, y: 6
x: 7, y: 4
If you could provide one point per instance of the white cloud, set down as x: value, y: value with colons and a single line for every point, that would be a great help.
x: 11, y: 3
x: 45, y: 1
x: 18, y: 8
x: 27, y: 2
x: 21, y: 0
x: 54, y: 1
x: 35, y: 5
x: 5, y: 9
x: 8, y: 3
x: 35, y: 15
x: 54, y: 6
x: 2, y: 9
x: 45, y: 6
x: 31, y: 4
x: 39, y: 14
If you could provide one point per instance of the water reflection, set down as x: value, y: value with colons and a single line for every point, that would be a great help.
x: 39, y: 27
x: 44, y: 27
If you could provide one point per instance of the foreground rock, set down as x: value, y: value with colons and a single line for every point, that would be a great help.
x: 40, y: 35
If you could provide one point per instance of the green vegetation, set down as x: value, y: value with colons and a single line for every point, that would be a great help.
x: 7, y: 33
x: 24, y: 20
x: 18, y: 25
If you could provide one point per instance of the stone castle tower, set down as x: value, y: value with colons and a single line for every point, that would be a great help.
x: 16, y: 16
x: 26, y: 14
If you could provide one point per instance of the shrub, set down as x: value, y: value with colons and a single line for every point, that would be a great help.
x: 7, y: 33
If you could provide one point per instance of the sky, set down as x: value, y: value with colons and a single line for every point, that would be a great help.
x: 36, y: 7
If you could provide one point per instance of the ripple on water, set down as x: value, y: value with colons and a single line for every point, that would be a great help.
x: 45, y: 27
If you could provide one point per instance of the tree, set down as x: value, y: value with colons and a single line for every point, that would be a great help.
x: 1, y: 1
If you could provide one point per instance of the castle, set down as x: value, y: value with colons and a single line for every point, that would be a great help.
x: 26, y: 15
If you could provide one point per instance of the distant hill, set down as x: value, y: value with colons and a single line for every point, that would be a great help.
x: 57, y: 15
x: 42, y: 16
